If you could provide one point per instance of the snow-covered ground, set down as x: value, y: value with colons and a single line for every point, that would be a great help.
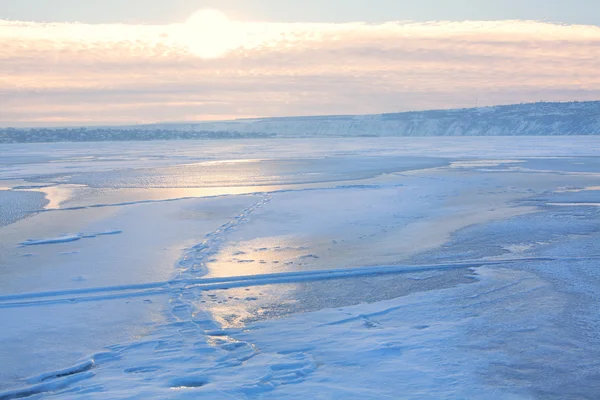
x: 422, y: 268
x: 533, y: 119
x: 530, y: 119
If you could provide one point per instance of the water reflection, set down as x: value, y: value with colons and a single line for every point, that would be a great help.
x: 56, y: 195
x: 84, y: 196
x: 246, y: 173
x: 235, y: 308
x: 260, y: 256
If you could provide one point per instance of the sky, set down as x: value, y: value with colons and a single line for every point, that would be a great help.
x: 585, y: 12
x: 80, y: 62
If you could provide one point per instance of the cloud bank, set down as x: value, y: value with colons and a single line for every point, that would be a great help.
x: 211, y: 68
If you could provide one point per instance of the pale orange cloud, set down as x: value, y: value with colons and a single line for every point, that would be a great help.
x: 211, y: 67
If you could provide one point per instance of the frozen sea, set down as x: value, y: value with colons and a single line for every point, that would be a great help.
x: 363, y: 268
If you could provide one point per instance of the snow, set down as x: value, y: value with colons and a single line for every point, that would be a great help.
x: 348, y: 268
x: 60, y: 239
x: 16, y: 205
x: 69, y: 238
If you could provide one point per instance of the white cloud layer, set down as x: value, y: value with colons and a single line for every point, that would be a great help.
x: 213, y: 68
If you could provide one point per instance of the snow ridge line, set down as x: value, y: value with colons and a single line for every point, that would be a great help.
x: 184, y: 296
x: 208, y: 284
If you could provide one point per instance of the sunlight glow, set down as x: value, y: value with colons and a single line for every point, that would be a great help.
x: 211, y: 67
x: 210, y: 34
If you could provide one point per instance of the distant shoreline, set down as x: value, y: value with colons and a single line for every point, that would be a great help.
x: 533, y: 119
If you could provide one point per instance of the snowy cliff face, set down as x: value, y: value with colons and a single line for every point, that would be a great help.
x: 522, y: 119
x: 577, y: 118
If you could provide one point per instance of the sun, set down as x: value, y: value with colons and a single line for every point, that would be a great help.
x: 210, y: 34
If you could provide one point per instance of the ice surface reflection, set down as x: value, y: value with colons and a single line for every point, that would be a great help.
x: 235, y: 308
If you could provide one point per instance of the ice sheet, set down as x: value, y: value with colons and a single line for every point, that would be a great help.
x: 350, y: 268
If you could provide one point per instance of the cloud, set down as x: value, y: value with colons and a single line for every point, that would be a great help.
x: 75, y: 73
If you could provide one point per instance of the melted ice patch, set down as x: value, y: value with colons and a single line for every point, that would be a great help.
x: 54, y: 194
